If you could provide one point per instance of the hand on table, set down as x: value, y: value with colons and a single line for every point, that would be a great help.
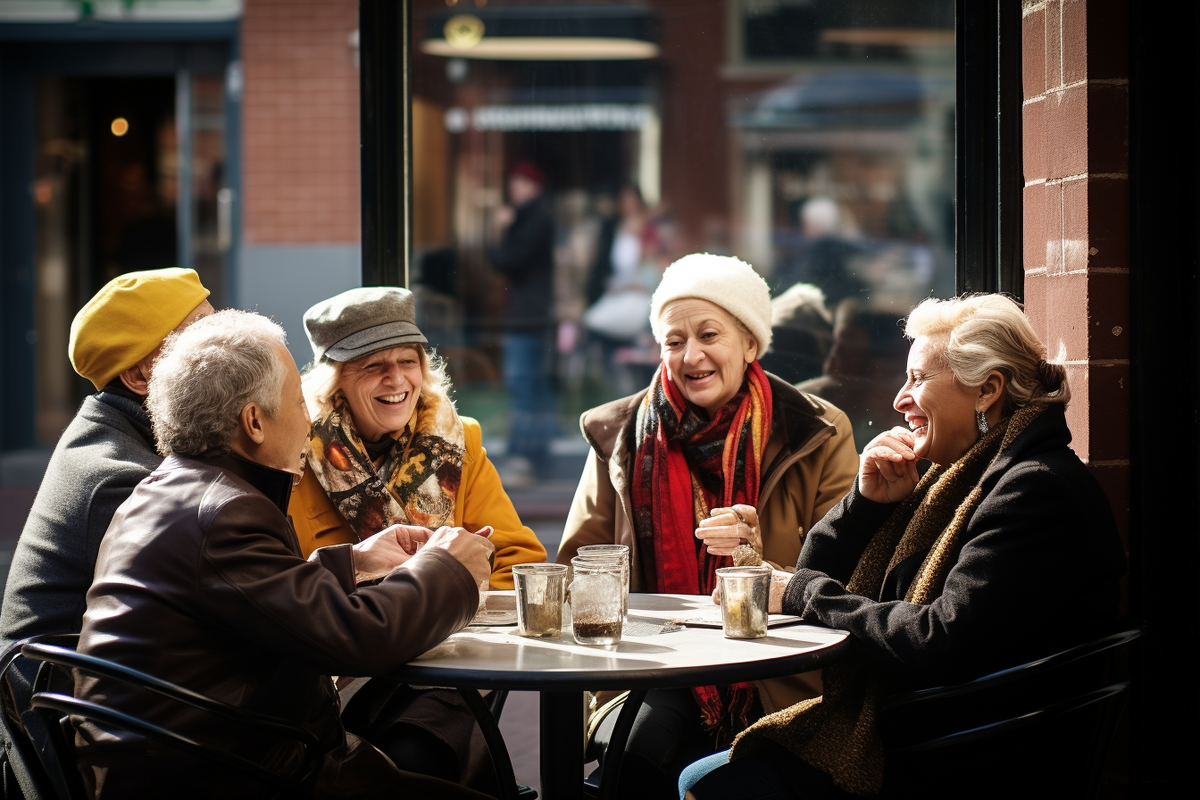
x: 380, y: 554
x: 726, y: 529
x: 779, y: 582
x: 473, y: 550
x: 888, y: 471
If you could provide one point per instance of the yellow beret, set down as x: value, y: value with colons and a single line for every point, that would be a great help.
x: 130, y: 317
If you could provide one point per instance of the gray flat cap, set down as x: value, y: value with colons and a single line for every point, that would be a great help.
x: 362, y: 321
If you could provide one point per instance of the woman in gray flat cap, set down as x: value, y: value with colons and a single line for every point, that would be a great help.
x: 388, y: 447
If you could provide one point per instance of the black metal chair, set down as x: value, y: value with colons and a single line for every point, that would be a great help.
x: 35, y: 766
x: 53, y: 748
x: 487, y: 714
x: 1042, y: 728
x: 602, y: 783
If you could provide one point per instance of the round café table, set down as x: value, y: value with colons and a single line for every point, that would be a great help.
x: 655, y: 652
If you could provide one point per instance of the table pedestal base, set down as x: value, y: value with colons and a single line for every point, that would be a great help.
x: 561, y: 716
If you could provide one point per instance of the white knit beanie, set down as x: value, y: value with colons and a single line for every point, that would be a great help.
x: 724, y: 281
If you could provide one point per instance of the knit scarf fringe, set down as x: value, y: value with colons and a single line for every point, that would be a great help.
x: 838, y: 732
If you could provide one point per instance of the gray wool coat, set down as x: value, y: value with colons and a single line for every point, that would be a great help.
x: 102, y: 455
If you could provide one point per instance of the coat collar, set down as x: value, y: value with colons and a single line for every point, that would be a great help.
x: 275, y: 484
x: 1047, y: 432
x: 130, y: 405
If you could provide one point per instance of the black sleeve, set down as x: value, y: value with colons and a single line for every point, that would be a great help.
x: 836, y: 542
x: 1036, y: 567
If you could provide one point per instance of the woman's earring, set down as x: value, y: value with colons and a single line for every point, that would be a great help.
x: 981, y: 421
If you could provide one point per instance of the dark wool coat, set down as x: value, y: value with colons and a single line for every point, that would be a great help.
x: 106, y: 451
x: 1037, y: 571
x: 525, y: 257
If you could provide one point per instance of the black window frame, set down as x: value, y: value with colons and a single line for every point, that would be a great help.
x: 988, y: 180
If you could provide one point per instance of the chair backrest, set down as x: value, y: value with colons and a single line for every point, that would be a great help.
x: 42, y: 769
x: 56, y: 705
x: 1043, y: 727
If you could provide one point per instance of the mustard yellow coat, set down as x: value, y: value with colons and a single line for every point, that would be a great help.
x: 481, y: 501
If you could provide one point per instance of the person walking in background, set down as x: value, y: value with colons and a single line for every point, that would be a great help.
x: 524, y: 255
x: 627, y: 269
x: 828, y: 262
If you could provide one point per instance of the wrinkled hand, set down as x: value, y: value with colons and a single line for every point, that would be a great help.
x: 386, y: 550
x: 779, y: 582
x: 474, y: 551
x: 727, y: 528
x: 888, y: 472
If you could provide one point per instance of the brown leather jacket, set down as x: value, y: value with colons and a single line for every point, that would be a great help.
x: 200, y: 582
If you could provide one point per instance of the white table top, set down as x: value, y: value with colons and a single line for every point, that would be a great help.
x: 496, y: 657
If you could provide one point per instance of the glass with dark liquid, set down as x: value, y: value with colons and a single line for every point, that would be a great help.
x: 597, y: 592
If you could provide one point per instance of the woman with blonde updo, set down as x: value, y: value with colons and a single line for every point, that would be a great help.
x: 962, y: 528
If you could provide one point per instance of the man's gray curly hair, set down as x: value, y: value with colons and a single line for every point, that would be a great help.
x: 206, y: 375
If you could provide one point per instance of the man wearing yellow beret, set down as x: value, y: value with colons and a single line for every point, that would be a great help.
x: 102, y: 455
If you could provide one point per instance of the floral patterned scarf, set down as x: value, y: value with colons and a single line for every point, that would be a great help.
x: 685, y: 465
x: 416, y: 484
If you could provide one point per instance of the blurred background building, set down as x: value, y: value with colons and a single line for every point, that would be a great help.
x: 812, y: 138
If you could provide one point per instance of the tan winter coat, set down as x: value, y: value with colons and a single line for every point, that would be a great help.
x: 810, y: 465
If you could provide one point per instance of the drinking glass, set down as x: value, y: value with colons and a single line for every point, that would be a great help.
x: 596, y: 599
x: 539, y: 595
x: 744, y: 594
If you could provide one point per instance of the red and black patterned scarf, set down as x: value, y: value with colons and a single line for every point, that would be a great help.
x: 686, y: 464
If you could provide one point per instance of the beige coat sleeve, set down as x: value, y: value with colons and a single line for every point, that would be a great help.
x: 593, y: 515
x: 810, y: 487
x: 838, y: 458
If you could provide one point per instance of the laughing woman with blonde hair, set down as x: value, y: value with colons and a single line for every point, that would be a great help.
x: 963, y: 528
x: 387, y: 447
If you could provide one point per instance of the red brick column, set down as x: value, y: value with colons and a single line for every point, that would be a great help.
x: 300, y: 117
x: 1076, y: 218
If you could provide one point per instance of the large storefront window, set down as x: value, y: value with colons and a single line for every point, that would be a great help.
x: 121, y: 183
x: 811, y: 138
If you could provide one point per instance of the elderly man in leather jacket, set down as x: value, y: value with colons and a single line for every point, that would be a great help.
x: 200, y: 581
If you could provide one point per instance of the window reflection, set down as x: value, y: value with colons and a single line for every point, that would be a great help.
x: 812, y: 138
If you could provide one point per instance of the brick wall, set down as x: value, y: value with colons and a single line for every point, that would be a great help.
x: 1076, y: 218
x: 300, y: 118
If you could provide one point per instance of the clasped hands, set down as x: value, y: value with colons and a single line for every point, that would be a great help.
x: 380, y: 554
x: 729, y: 529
